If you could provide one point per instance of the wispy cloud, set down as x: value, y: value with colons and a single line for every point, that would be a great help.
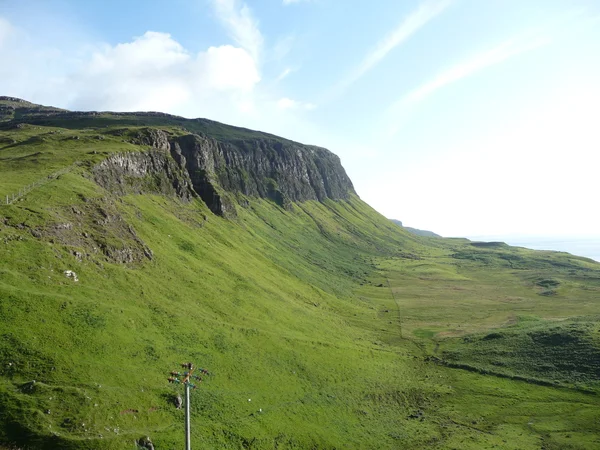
x: 241, y: 25
x: 491, y: 57
x: 289, y: 2
x: 282, y: 47
x: 405, y: 29
x: 284, y: 74
x: 477, y: 63
x: 540, y: 36
x: 287, y: 103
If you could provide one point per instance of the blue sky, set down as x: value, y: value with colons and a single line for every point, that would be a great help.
x: 465, y: 117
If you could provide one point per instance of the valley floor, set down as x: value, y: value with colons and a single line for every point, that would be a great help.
x: 517, y: 371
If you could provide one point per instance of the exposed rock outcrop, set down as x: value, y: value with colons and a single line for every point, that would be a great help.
x: 153, y: 171
x: 283, y: 172
x: 12, y: 99
x: 153, y: 137
x: 214, y: 160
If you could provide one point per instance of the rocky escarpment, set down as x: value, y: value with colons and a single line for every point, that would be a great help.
x: 282, y: 171
x: 141, y: 172
x: 214, y: 160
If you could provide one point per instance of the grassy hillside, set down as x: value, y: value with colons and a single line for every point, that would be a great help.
x: 325, y: 325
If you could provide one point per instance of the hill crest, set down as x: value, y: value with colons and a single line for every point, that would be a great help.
x: 215, y: 160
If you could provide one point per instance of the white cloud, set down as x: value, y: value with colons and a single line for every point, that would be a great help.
x: 284, y: 74
x: 405, y: 29
x: 282, y: 47
x: 289, y: 2
x: 289, y: 104
x: 228, y: 68
x: 152, y: 52
x: 242, y: 27
x: 479, y: 62
x: 151, y: 72
x: 156, y: 72
x: 400, y: 109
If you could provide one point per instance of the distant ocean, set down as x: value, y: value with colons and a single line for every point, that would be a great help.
x: 588, y: 246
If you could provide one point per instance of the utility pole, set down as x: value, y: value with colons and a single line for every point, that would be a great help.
x: 174, y: 378
x: 188, y: 438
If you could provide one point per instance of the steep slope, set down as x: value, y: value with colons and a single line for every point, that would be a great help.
x: 260, y: 299
x: 252, y: 256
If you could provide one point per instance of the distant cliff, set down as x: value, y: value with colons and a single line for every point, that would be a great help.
x: 213, y: 160
x: 416, y: 230
x: 280, y: 171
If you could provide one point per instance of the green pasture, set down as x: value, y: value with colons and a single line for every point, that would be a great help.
x: 325, y: 326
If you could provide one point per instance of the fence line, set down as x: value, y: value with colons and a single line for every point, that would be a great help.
x: 12, y: 197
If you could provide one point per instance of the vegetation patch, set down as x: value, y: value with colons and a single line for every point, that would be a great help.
x: 564, y: 354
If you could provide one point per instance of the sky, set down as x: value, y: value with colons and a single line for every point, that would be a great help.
x: 465, y: 117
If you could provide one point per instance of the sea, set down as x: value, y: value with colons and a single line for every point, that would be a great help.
x: 588, y: 247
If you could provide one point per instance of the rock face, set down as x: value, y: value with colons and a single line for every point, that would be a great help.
x: 12, y: 99
x: 278, y: 170
x: 283, y: 172
x: 198, y: 157
x: 138, y: 172
x: 153, y: 137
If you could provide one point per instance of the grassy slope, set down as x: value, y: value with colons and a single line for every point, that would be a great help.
x: 291, y: 310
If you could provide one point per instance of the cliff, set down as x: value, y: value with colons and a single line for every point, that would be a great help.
x: 138, y: 172
x: 280, y: 171
x: 416, y: 231
x: 199, y: 156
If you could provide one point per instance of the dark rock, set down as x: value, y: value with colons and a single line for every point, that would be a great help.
x: 146, y: 443
x: 152, y: 137
x: 283, y: 172
x: 5, y: 98
x: 149, y: 172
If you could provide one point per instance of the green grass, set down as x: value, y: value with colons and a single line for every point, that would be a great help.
x: 565, y: 353
x: 346, y: 331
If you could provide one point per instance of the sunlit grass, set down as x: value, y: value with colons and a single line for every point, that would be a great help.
x: 326, y: 325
